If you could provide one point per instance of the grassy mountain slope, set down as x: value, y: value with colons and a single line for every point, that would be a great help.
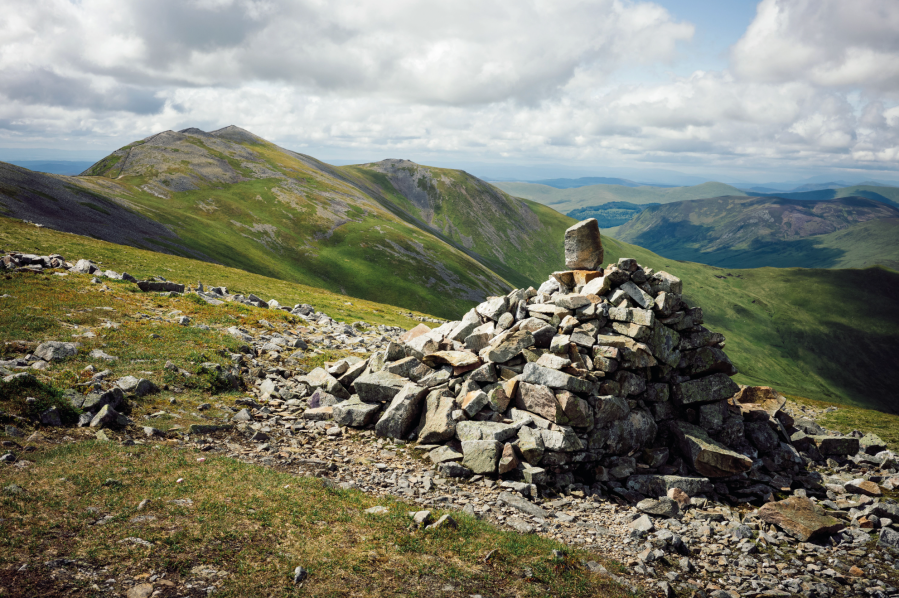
x: 234, y: 198
x: 747, y: 232
x: 61, y: 203
x: 565, y: 200
x: 830, y: 335
x: 520, y: 239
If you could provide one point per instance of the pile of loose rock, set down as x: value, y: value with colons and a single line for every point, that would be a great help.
x: 601, y: 379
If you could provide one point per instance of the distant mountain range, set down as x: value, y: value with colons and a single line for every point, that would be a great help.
x: 565, y: 200
x: 586, y: 181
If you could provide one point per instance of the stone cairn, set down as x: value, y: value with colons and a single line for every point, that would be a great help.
x: 603, y: 378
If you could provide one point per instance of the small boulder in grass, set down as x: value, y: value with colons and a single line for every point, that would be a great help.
x: 377, y: 510
x: 299, y: 574
x: 445, y: 522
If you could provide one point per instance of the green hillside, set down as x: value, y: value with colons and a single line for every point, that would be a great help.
x: 824, y: 334
x: 233, y: 198
x: 750, y: 232
x: 565, y: 200
x: 519, y: 239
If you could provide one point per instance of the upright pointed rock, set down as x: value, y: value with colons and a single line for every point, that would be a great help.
x: 583, y: 246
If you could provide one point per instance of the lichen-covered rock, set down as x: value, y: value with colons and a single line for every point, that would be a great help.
x: 801, y: 518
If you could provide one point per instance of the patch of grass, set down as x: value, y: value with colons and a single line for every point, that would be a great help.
x: 847, y: 418
x: 15, y: 235
x: 14, y: 395
x: 256, y: 525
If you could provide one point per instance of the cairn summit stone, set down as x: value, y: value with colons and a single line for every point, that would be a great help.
x: 583, y: 246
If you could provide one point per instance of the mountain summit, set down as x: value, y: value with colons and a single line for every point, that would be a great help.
x: 392, y: 231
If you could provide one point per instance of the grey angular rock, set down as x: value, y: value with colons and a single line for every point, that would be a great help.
x: 522, y: 504
x: 451, y: 469
x: 439, y: 424
x: 511, y: 346
x: 355, y: 414
x: 481, y: 456
x: 494, y: 307
x: 530, y: 444
x: 716, y: 387
x: 583, y: 246
x: 889, y: 539
x: 476, y: 430
x: 662, y: 507
x: 535, y: 374
x: 409, y: 367
x: 402, y: 413
x: 242, y: 416
x: 320, y: 378
x: 51, y: 417
x: 56, y: 350
x: 640, y: 297
x: 642, y: 524
x: 837, y: 446
x: 562, y: 439
x: 107, y: 416
x: 442, y: 454
x: 137, y: 386
x: 378, y: 387
x: 708, y: 457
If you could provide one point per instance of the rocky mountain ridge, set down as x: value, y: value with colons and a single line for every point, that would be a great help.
x: 231, y: 197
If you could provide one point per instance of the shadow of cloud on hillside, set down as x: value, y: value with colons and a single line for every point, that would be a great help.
x: 854, y: 364
x: 684, y: 241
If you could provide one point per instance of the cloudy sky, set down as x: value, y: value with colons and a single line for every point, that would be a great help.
x: 737, y: 90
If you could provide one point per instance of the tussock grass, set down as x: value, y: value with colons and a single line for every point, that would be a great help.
x: 257, y: 525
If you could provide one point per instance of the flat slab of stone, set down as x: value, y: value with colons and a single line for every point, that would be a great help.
x: 662, y: 507
x: 474, y: 430
x: 525, y: 506
x: 709, y: 389
x: 707, y: 456
x: 862, y: 486
x: 801, y: 518
x: 536, y: 374
x: 378, y: 387
x: 457, y: 359
x: 415, y: 333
